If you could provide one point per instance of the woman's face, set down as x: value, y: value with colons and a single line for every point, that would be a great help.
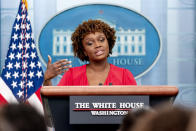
x: 96, y: 46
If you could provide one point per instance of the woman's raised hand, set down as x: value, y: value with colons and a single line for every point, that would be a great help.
x: 56, y: 68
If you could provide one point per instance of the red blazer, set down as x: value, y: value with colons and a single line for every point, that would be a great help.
x: 117, y: 76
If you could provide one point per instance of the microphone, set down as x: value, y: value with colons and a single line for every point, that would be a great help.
x: 100, y: 84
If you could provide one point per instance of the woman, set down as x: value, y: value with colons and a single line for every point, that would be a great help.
x: 93, y: 41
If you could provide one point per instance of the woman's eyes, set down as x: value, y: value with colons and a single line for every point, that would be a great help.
x: 102, y: 39
x: 89, y: 43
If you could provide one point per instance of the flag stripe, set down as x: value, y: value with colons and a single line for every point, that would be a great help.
x: 38, y: 94
x: 7, y: 93
x: 35, y: 102
x: 2, y: 100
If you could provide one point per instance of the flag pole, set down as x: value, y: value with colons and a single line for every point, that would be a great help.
x: 26, y: 4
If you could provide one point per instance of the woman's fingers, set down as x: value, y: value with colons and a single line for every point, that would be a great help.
x: 66, y: 67
x: 61, y: 61
x: 63, y: 68
x: 49, y: 60
x: 62, y: 71
x: 62, y: 64
x: 56, y: 68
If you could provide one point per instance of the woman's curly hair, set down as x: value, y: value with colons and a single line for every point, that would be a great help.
x: 87, y: 27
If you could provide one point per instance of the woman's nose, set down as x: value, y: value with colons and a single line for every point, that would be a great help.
x: 97, y: 44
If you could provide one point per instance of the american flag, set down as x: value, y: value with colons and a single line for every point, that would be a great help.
x: 22, y: 74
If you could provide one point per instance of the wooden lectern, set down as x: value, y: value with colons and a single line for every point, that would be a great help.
x: 56, y: 102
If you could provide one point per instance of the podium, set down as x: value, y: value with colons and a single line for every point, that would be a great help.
x: 56, y: 102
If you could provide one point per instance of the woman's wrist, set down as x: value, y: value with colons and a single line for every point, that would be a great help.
x: 46, y: 78
x: 47, y: 82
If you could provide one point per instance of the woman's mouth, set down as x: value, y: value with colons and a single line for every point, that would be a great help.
x: 98, y: 53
